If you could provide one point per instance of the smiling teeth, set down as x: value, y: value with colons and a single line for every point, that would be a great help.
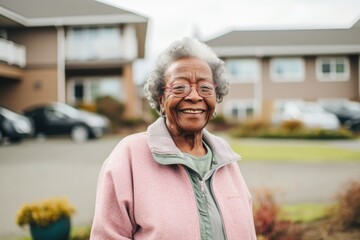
x: 192, y: 111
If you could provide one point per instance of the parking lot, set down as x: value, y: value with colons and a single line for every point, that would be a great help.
x: 43, y: 168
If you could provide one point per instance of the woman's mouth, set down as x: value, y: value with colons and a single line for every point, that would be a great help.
x: 192, y: 111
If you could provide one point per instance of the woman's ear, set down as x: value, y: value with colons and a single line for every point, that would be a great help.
x: 161, y: 103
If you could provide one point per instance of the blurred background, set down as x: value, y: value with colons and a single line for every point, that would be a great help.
x: 71, y: 80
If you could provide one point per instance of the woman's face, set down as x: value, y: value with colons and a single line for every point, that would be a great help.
x: 191, y: 113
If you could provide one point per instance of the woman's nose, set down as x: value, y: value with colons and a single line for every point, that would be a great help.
x: 193, y: 94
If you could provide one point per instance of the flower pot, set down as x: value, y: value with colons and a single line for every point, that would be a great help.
x: 59, y: 230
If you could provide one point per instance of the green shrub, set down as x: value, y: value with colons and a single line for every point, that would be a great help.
x: 219, y: 119
x: 112, y: 109
x: 292, y: 125
x: 292, y: 130
x: 132, y: 122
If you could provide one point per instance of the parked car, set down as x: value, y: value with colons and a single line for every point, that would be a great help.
x: 14, y: 126
x: 348, y: 113
x: 60, y: 119
x: 312, y: 115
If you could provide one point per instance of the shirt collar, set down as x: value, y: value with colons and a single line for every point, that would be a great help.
x: 162, y: 146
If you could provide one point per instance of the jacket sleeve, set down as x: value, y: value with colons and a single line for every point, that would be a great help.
x: 114, y: 218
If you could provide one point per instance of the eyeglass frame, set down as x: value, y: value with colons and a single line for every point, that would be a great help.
x: 185, y: 94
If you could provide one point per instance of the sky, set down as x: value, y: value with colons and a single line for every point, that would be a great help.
x: 171, y: 20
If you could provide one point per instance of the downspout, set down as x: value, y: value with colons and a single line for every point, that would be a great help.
x: 60, y: 63
x: 258, y: 90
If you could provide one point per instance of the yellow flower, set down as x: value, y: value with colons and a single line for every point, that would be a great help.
x: 45, y: 212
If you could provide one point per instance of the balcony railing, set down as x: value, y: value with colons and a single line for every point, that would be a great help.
x: 12, y: 53
x: 102, y: 43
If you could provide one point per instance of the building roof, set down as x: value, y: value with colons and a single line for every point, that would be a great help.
x: 61, y: 13
x: 287, y: 42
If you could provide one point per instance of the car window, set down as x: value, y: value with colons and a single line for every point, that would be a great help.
x: 52, y: 114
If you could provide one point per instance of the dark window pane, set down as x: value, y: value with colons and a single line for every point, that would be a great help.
x: 79, y: 91
x: 326, y: 68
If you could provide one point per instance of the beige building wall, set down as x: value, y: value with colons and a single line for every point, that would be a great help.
x: 311, y: 88
x: 38, y: 82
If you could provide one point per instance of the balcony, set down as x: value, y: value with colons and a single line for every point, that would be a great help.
x: 101, y: 43
x: 12, y: 53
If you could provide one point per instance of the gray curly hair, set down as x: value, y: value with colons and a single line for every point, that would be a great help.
x: 187, y: 47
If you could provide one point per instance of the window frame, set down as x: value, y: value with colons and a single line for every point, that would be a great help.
x: 241, y: 105
x: 289, y: 78
x: 241, y: 79
x: 333, y: 76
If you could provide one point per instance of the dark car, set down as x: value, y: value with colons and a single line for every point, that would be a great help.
x: 348, y: 113
x: 60, y: 119
x: 14, y: 126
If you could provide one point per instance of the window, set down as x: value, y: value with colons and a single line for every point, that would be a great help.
x: 243, y: 70
x: 287, y: 69
x: 87, y: 90
x: 93, y: 43
x: 332, y: 69
x: 239, y: 109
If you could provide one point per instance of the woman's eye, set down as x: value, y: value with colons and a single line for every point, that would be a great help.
x: 178, y: 88
x: 206, y: 88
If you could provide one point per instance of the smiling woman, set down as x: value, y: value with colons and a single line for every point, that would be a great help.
x: 176, y: 180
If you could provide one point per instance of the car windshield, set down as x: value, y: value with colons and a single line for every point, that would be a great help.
x: 67, y: 110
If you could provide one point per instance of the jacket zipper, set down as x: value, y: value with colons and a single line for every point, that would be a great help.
x: 216, y: 201
x: 203, y: 188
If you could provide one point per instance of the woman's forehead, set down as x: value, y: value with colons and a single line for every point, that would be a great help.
x: 186, y: 67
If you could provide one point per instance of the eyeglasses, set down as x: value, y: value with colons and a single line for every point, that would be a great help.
x: 180, y: 90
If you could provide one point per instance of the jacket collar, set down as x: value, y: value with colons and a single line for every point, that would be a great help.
x: 166, y: 152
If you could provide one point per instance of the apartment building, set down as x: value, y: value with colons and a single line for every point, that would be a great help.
x: 71, y: 51
x: 269, y: 67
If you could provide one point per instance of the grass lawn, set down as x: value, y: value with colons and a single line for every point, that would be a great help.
x: 308, y: 151
x: 306, y: 212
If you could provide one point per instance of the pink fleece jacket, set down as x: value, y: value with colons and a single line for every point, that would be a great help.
x: 139, y: 198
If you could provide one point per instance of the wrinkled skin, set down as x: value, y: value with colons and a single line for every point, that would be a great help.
x: 187, y: 116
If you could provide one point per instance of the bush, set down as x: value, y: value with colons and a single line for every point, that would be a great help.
x: 251, y: 128
x: 112, y: 109
x: 291, y: 125
x: 290, y: 130
x: 268, y: 224
x: 347, y: 211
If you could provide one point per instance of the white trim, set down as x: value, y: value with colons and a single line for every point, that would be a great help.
x: 332, y: 77
x: 262, y: 51
x: 240, y: 79
x: 275, y: 77
x: 12, y: 15
x: 241, y: 105
x: 359, y: 77
x: 72, y: 20
x: 60, y: 64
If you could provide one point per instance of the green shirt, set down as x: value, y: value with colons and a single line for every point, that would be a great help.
x: 207, y: 207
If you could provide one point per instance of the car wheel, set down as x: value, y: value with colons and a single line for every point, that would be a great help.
x: 79, y: 133
x: 1, y: 137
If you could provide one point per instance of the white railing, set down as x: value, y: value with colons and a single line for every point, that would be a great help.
x: 101, y: 43
x: 12, y: 53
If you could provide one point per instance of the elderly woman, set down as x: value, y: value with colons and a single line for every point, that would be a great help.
x: 176, y: 180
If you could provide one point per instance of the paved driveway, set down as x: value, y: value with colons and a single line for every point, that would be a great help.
x: 38, y: 169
